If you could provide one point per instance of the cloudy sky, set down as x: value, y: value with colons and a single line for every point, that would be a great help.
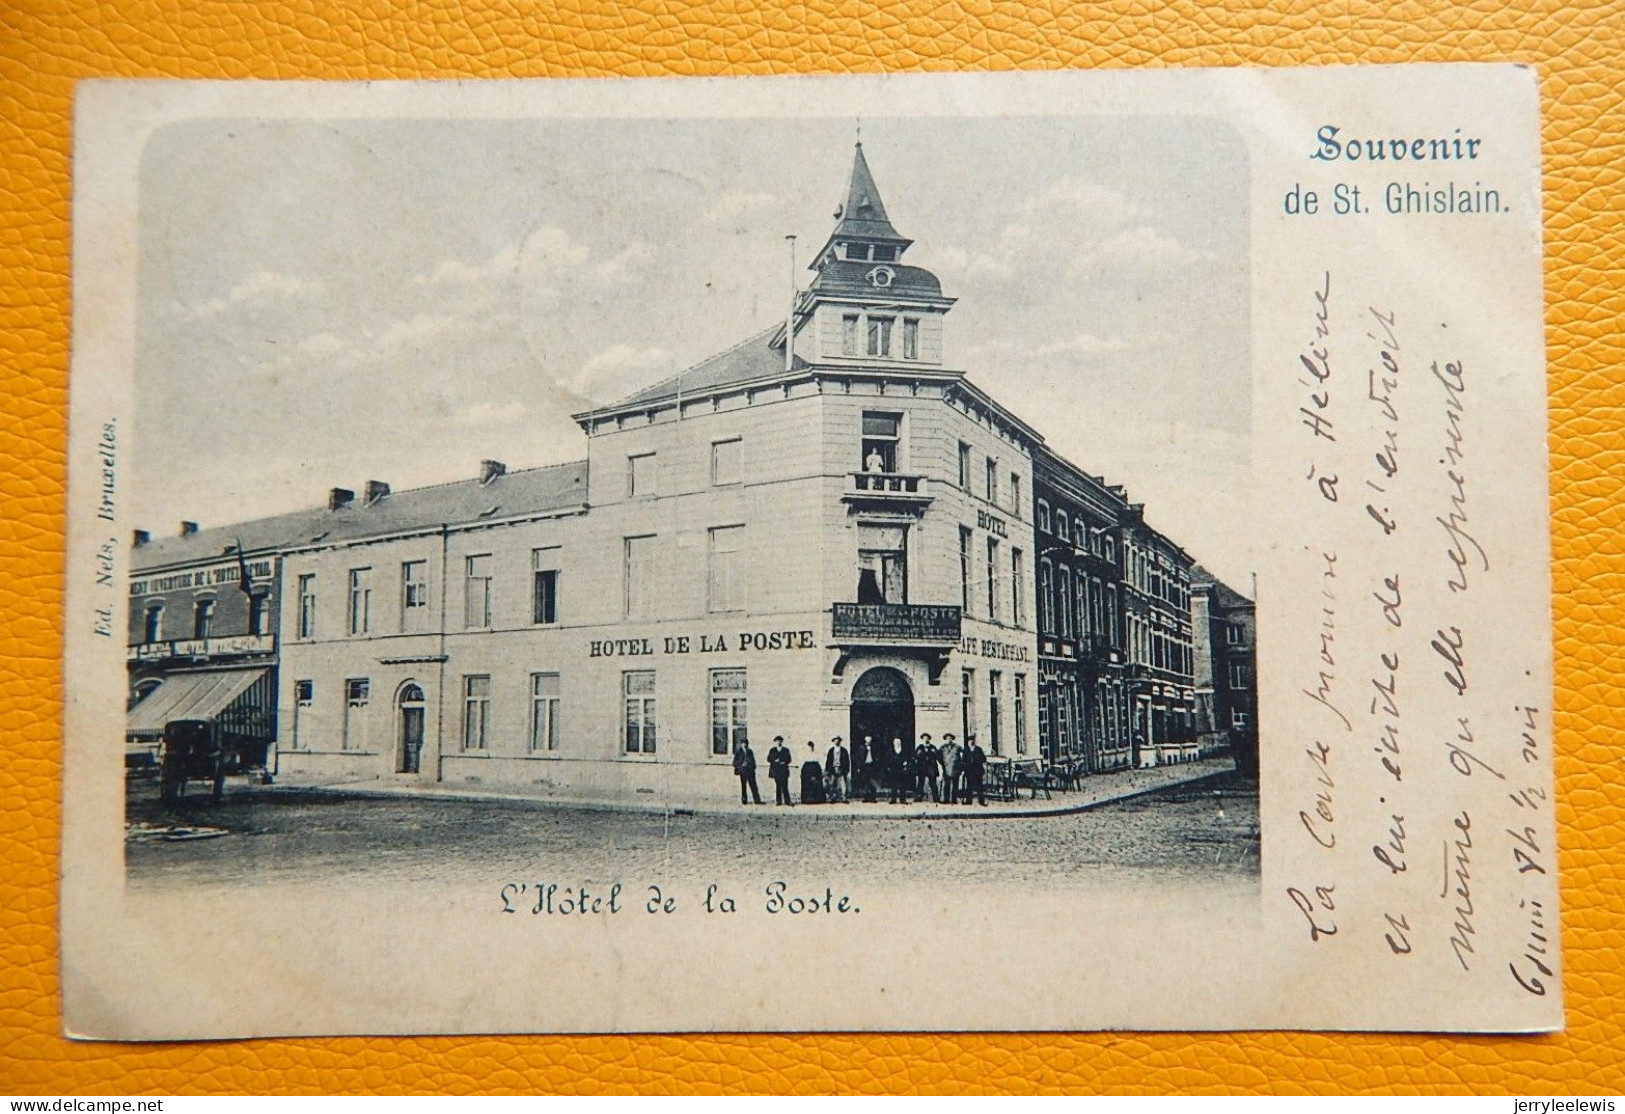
x: 325, y: 302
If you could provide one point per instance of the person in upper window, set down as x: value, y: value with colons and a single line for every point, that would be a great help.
x: 874, y: 462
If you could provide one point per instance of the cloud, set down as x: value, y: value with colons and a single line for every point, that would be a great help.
x: 481, y: 414
x: 628, y: 264
x: 454, y: 272
x: 259, y: 289
x: 739, y: 205
x: 545, y: 252
x: 1140, y: 245
x: 1084, y: 344
x: 617, y: 371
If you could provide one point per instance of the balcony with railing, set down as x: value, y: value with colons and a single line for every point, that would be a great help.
x: 886, y: 490
x: 204, y: 649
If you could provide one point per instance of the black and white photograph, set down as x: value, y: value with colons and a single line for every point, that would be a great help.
x: 495, y: 501
x: 819, y: 529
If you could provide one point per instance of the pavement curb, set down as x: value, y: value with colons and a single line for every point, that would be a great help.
x: 1190, y: 773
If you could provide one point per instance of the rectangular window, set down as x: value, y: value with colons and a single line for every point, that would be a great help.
x: 477, y: 592
x: 414, y: 595
x: 476, y: 711
x: 964, y: 569
x: 544, y: 585
x: 885, y: 253
x: 727, y: 458
x: 1235, y: 634
x: 307, y: 606
x: 1238, y: 719
x: 155, y: 622
x: 203, y: 619
x: 1111, y: 615
x: 858, y: 253
x: 360, y: 601
x: 1021, y: 712
x: 995, y: 700
x: 882, y: 563
x: 640, y: 475
x: 304, y: 695
x: 727, y: 569
x: 1043, y: 516
x: 882, y: 434
x: 728, y: 707
x: 911, y: 339
x: 967, y: 704
x: 1018, y: 587
x: 1015, y: 494
x: 638, y: 691
x: 357, y: 692
x: 993, y: 580
x: 544, y: 712
x: 992, y: 492
x: 638, y: 577
x: 879, y: 333
x: 1240, y: 675
x: 849, y: 335
x: 259, y: 614
x: 964, y: 467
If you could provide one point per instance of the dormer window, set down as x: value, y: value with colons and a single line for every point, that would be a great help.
x: 885, y: 253
x: 857, y: 253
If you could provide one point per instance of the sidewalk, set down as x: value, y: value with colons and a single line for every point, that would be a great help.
x: 1097, y: 789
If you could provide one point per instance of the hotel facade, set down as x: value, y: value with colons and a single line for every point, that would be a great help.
x: 822, y: 531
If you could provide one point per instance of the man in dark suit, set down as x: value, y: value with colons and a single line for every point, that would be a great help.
x: 975, y: 771
x: 838, y: 771
x: 869, y: 768
x: 778, y: 768
x: 745, y: 767
x: 926, y: 763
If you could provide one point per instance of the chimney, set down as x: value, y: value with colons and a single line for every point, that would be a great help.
x: 338, y: 497
x: 188, y: 528
x: 142, y: 537
x: 376, y: 490
x: 491, y: 469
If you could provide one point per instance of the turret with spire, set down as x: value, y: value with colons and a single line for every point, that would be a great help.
x: 866, y: 306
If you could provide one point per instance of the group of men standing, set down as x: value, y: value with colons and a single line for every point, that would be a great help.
x: 949, y: 773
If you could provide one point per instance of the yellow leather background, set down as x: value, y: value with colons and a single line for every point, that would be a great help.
x: 1579, y: 51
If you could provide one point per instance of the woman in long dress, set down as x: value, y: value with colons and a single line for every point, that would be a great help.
x: 812, y: 778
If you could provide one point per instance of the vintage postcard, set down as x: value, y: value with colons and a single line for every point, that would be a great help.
x: 1042, y: 551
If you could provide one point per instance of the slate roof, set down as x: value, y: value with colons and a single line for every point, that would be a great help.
x: 525, y: 491
x: 1227, y: 597
x: 844, y: 276
x: 863, y: 215
x: 748, y: 360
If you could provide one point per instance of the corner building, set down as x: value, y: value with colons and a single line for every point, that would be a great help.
x: 822, y: 531
x: 830, y: 540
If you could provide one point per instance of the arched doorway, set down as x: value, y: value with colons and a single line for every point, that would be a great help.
x: 411, y: 717
x: 882, y: 710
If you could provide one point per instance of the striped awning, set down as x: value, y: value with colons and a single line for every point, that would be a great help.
x: 201, y: 695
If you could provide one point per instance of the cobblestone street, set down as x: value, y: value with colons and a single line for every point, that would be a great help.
x: 1205, y: 829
